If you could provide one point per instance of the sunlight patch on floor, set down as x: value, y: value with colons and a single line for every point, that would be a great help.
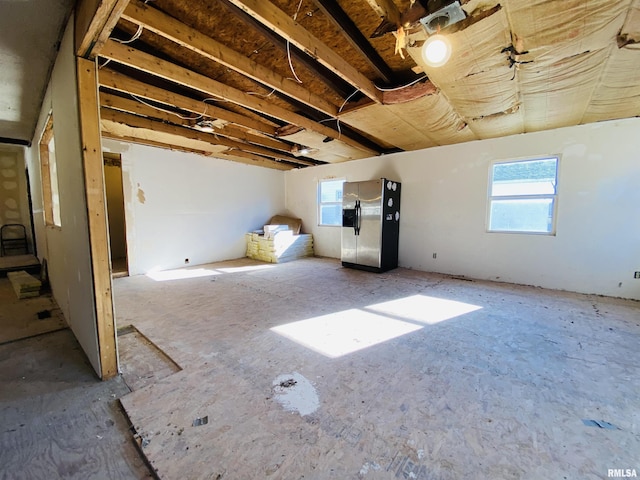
x: 348, y: 331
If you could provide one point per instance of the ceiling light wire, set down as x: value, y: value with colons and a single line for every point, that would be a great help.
x: 135, y: 37
x: 382, y: 89
x: 291, y: 63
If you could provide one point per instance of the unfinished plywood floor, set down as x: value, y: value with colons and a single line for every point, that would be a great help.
x: 309, y: 370
x: 57, y: 420
x: 19, y: 317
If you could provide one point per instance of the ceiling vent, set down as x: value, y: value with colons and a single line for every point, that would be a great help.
x: 444, y: 17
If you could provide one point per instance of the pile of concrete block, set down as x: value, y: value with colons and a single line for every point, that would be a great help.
x: 24, y: 284
x: 279, y: 246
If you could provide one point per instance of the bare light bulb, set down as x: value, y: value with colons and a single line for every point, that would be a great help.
x: 436, y: 51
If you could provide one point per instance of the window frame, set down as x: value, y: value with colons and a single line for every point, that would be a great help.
x: 320, y: 203
x: 49, y: 175
x: 552, y: 196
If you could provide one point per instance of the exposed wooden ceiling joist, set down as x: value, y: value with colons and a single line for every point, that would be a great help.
x: 286, y: 27
x: 328, y: 77
x: 94, y: 23
x: 386, y: 9
x: 141, y: 122
x: 132, y: 106
x: 176, y: 31
x: 122, y: 83
x: 152, y: 65
x: 157, y: 139
x: 333, y: 11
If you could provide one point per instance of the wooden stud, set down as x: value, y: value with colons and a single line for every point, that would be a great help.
x: 169, y: 71
x: 289, y: 29
x: 97, y: 215
x: 94, y: 22
x: 45, y: 171
x: 176, y: 31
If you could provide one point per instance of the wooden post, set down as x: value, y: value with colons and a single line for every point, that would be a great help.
x: 97, y: 215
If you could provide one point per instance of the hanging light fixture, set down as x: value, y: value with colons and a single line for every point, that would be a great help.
x: 436, y: 51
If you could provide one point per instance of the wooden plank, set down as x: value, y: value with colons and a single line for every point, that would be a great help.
x: 122, y: 83
x: 156, y: 21
x: 148, y: 63
x: 140, y: 122
x: 335, y: 13
x: 94, y: 22
x: 386, y: 9
x: 286, y: 27
x: 45, y: 171
x: 109, y: 25
x: 97, y: 215
x: 118, y: 131
x: 230, y: 131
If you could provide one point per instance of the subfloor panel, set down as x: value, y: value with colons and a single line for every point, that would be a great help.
x: 57, y: 419
x: 310, y: 370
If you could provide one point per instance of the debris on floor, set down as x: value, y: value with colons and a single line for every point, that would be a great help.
x: 24, y: 285
x: 44, y: 314
x: 296, y: 394
x: 199, y: 421
x: 600, y: 424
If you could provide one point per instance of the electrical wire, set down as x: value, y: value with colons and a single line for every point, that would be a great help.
x: 291, y: 63
x: 401, y: 86
x: 135, y: 97
x: 295, y: 17
x: 135, y: 37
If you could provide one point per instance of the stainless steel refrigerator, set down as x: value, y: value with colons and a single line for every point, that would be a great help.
x: 370, y: 224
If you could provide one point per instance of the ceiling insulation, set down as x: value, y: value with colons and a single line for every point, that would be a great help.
x: 279, y: 78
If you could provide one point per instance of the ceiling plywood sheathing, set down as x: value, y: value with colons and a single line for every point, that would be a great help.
x: 291, y: 76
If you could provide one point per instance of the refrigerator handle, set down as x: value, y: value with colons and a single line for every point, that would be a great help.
x: 356, y: 226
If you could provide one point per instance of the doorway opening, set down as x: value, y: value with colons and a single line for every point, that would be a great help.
x: 115, y: 211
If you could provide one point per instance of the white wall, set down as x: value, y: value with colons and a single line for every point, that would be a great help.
x: 66, y: 248
x: 444, y: 205
x: 14, y: 201
x: 182, y: 205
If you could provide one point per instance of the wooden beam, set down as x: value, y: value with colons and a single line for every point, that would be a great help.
x: 169, y: 71
x: 94, y: 22
x: 122, y: 83
x: 133, y: 106
x: 97, y: 215
x: 386, y: 9
x: 289, y: 29
x: 45, y: 171
x: 152, y: 138
x: 335, y: 13
x: 336, y: 83
x: 154, y: 20
x: 141, y: 122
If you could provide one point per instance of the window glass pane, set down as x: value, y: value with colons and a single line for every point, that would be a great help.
x: 331, y: 191
x: 522, y: 215
x: 535, y: 177
x: 331, y: 214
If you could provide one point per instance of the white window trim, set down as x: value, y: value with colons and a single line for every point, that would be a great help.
x: 553, y: 231
x: 319, y: 203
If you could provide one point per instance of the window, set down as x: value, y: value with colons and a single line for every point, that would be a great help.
x: 522, y: 196
x: 49, y: 169
x: 330, y: 202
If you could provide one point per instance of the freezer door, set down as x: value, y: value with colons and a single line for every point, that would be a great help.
x: 370, y: 221
x: 349, y: 222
